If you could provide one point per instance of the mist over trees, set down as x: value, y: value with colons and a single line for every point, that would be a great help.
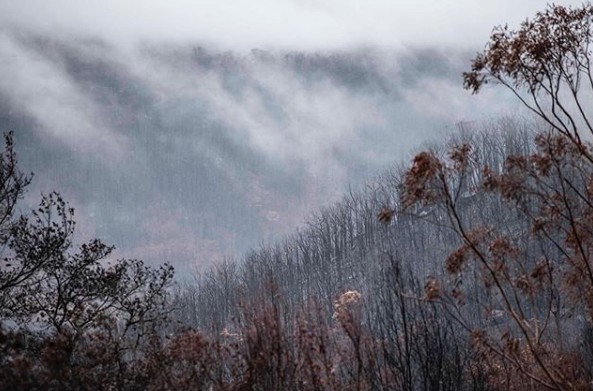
x: 230, y: 148
x: 468, y: 269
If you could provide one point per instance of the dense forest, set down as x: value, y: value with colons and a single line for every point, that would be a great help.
x: 469, y: 268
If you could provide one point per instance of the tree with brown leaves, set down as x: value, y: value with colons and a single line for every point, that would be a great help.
x: 536, y: 295
x: 546, y: 64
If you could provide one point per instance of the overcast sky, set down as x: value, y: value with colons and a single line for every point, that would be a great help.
x: 295, y: 24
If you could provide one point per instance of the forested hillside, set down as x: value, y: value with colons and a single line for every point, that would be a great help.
x: 347, y: 246
x: 467, y: 268
x: 389, y: 281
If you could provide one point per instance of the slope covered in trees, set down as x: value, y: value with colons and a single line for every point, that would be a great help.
x: 510, y: 221
x: 407, y: 308
x: 470, y: 269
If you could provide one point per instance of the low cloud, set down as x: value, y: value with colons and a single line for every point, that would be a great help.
x: 199, y: 153
x: 42, y: 90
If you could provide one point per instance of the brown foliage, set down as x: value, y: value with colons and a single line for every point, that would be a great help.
x: 550, y: 189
